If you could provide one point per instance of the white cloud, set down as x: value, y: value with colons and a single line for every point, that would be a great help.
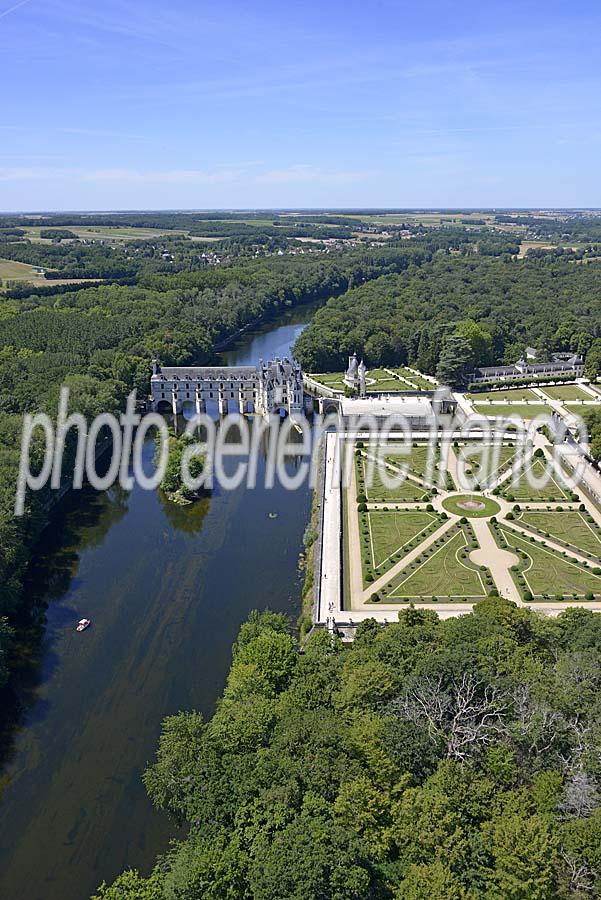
x: 222, y: 174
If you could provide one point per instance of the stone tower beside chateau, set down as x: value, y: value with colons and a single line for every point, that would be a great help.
x: 354, y: 377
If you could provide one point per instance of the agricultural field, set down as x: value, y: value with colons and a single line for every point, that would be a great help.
x: 105, y: 233
x: 17, y: 271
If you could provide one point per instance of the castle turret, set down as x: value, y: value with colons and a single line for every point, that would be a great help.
x: 362, y: 372
x: 351, y: 376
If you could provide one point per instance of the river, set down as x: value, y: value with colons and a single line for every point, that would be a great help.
x: 166, y: 588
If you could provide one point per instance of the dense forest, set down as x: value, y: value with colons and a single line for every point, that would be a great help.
x: 431, y: 760
x: 497, y: 306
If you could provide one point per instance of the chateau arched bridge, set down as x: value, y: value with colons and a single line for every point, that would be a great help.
x: 263, y: 389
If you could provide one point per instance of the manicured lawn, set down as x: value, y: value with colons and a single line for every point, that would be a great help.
x: 329, y: 378
x: 388, y: 384
x: 517, y: 409
x: 553, y: 489
x: 389, y: 532
x: 376, y: 490
x: 416, y: 459
x: 566, y: 392
x: 422, y: 384
x: 443, y: 574
x: 570, y: 526
x: 487, y: 462
x: 548, y: 573
x: 489, y: 507
x: 511, y: 394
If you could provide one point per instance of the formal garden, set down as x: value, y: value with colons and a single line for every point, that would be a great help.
x: 417, y: 542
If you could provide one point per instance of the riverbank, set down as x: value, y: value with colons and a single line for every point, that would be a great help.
x: 166, y: 588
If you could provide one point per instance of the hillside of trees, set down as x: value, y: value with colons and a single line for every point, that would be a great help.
x: 431, y: 760
x: 495, y: 306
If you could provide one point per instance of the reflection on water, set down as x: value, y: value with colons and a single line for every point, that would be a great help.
x: 166, y: 588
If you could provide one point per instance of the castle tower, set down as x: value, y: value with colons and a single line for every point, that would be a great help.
x: 362, y: 372
x: 351, y: 376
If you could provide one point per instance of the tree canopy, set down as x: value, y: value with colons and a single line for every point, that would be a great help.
x: 470, y: 769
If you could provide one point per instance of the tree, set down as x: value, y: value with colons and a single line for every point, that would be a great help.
x: 480, y: 341
x: 430, y: 881
x: 131, y: 886
x: 592, y: 363
x: 453, y: 364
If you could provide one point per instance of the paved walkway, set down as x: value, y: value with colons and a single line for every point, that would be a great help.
x: 498, y: 560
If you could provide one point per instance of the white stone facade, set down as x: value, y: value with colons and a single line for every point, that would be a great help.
x: 266, y: 388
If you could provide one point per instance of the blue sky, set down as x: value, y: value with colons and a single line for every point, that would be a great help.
x: 131, y: 105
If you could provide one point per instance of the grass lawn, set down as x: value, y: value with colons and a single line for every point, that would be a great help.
x: 416, y: 459
x: 389, y: 532
x: 569, y: 526
x: 517, y: 409
x: 510, y: 394
x: 553, y: 489
x: 422, y: 384
x: 18, y: 271
x: 486, y: 462
x: 377, y: 491
x: 389, y: 384
x: 546, y: 572
x: 328, y: 377
x: 443, y: 574
x: 566, y: 392
x: 488, y: 507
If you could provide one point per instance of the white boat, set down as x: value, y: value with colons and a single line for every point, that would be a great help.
x: 83, y: 624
